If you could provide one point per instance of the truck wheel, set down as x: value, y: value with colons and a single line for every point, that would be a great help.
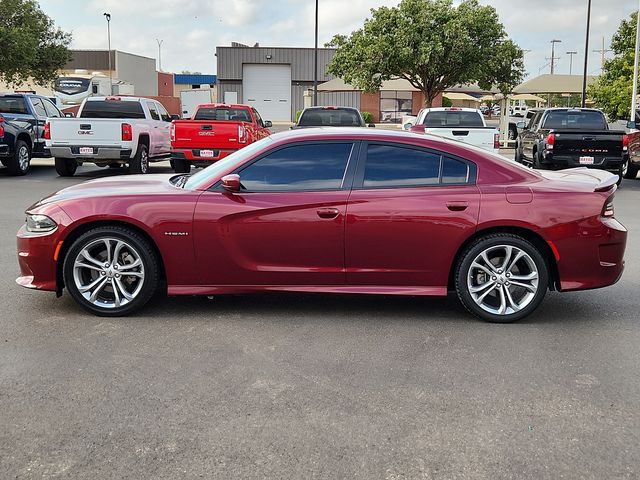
x: 140, y: 163
x: 630, y: 171
x: 537, y: 164
x: 518, y: 154
x: 181, y: 166
x: 20, y: 163
x: 66, y: 167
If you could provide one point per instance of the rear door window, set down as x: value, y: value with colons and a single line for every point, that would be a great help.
x: 38, y: 107
x: 52, y: 110
x: 152, y: 111
x: 112, y: 109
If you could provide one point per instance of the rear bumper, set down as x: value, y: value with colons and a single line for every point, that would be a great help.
x: 612, y: 163
x: 100, y: 153
x: 4, y: 150
x: 597, y: 258
x: 193, y: 154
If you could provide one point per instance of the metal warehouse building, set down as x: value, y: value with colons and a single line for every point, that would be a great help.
x: 274, y: 79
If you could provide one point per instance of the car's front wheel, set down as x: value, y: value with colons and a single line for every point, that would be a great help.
x: 501, y: 278
x: 20, y: 163
x: 111, y: 271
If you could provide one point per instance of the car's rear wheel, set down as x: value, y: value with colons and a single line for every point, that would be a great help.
x: 517, y: 155
x: 66, y: 167
x: 629, y: 171
x: 140, y: 163
x: 181, y: 166
x: 20, y: 163
x: 501, y: 278
x: 111, y: 271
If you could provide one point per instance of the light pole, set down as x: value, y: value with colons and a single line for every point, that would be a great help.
x: 586, y: 57
x: 315, y: 66
x: 159, y: 42
x: 635, y: 71
x: 553, y: 56
x: 108, y: 17
x: 571, y: 54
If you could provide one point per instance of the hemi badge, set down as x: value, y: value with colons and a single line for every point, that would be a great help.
x: 176, y: 234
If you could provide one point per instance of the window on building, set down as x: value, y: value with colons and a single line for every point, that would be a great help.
x: 395, y: 104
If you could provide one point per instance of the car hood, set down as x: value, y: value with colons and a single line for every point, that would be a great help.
x: 581, y: 178
x: 113, y: 187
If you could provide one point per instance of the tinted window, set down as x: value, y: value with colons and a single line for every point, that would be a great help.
x: 258, y: 118
x: 13, y: 105
x: 300, y: 167
x: 578, y: 119
x: 454, y: 171
x: 52, y: 110
x: 223, y: 114
x: 164, y: 115
x: 112, y: 109
x: 152, y: 111
x: 38, y: 107
x: 330, y: 117
x: 389, y: 166
x: 452, y: 118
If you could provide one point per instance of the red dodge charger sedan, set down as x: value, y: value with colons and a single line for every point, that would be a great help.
x: 332, y: 211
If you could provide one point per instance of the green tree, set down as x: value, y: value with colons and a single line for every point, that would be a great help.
x: 613, y: 89
x: 430, y: 43
x: 32, y: 48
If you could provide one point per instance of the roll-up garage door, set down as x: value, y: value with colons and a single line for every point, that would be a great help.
x: 268, y: 89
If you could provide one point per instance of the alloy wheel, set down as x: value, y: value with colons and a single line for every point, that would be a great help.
x: 144, y: 161
x: 23, y: 158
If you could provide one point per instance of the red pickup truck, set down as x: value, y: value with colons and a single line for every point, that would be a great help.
x: 214, y: 131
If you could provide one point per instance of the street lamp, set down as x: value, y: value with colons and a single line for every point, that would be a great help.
x: 159, y: 42
x: 571, y: 54
x: 108, y: 17
x: 586, y: 57
x: 553, y: 57
x: 315, y: 61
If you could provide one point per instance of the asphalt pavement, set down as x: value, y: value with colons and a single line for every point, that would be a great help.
x: 305, y: 386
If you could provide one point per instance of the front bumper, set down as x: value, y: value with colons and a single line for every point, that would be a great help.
x: 100, y: 153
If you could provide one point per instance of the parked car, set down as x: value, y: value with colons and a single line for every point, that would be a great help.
x: 22, y: 120
x: 518, y: 110
x: 311, y: 211
x: 110, y: 131
x: 215, y: 131
x: 462, y: 124
x: 495, y: 110
x: 558, y: 138
x: 632, y: 166
x: 329, y: 116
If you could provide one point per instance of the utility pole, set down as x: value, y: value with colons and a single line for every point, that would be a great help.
x: 634, y: 95
x: 571, y: 54
x: 553, y: 57
x: 586, y: 57
x: 108, y: 17
x: 602, y: 51
x: 159, y: 42
x: 315, y: 66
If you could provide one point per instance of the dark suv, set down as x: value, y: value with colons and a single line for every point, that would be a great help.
x: 330, y: 117
x: 22, y: 119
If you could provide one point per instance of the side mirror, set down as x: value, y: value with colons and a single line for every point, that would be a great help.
x: 231, y: 183
x: 631, y: 124
x: 407, y: 126
x: 372, y: 125
x: 521, y: 125
x: 175, y: 117
x: 268, y: 123
x: 69, y: 115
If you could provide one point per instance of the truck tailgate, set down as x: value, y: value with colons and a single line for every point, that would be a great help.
x: 595, y: 143
x: 482, y: 137
x: 86, y: 131
x: 206, y: 134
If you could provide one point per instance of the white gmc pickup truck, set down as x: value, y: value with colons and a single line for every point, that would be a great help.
x: 110, y: 131
x: 462, y: 124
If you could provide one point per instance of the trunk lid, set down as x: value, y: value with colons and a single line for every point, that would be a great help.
x: 581, y: 178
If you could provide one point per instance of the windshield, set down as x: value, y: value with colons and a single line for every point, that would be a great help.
x: 575, y: 119
x: 208, y: 175
x: 333, y: 117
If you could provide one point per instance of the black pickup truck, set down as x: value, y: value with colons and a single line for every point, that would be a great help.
x: 557, y: 138
x: 22, y: 119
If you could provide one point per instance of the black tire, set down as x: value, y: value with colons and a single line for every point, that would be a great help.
x: 20, y: 162
x: 180, y: 165
x: 513, y: 133
x: 66, y: 167
x: 115, y: 166
x: 496, y: 242
x: 537, y: 163
x: 631, y: 172
x: 136, y: 246
x: 140, y: 163
x: 518, y: 154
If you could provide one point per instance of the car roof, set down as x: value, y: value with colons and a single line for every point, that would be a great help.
x: 330, y: 107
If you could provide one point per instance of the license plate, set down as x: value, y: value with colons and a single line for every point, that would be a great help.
x: 586, y: 160
x: 207, y: 153
x: 86, y: 150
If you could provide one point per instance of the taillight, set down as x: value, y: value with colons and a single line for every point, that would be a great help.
x: 47, y: 131
x: 551, y: 139
x: 625, y: 142
x: 496, y: 140
x: 172, y: 132
x: 607, y: 210
x: 1, y: 126
x: 127, y: 132
x: 242, y: 134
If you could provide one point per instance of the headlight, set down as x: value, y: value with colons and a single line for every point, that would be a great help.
x: 40, y: 224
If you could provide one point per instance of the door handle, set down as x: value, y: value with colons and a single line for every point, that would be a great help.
x: 328, y: 212
x: 457, y: 206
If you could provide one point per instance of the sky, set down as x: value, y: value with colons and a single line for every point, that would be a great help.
x: 190, y: 30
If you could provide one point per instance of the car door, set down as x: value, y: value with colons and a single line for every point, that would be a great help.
x: 285, y: 226
x: 155, y: 131
x: 164, y: 144
x: 261, y: 130
x: 409, y: 211
x: 41, y: 117
x: 529, y: 136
